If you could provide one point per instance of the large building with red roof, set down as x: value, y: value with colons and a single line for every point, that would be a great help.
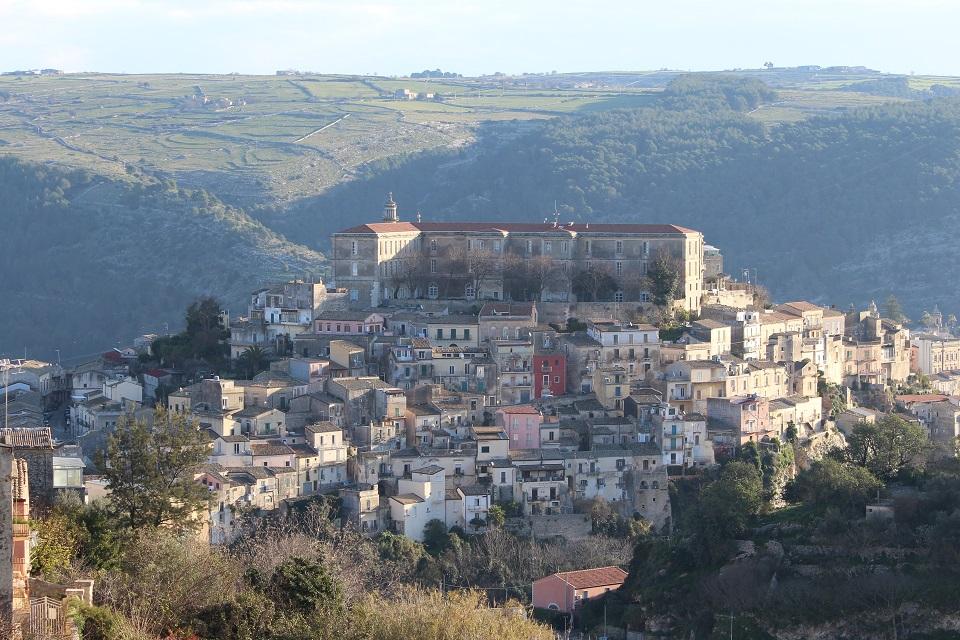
x: 548, y: 261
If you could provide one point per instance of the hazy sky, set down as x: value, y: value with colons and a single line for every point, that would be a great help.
x: 474, y: 37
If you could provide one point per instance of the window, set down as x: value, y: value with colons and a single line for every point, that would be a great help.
x: 439, y: 334
x: 529, y: 247
x: 353, y: 248
x: 466, y: 334
x: 619, y: 247
x: 496, y: 246
x: 433, y: 265
x: 563, y: 247
x: 485, y: 449
x: 556, y: 379
x: 469, y: 245
x: 354, y: 294
x: 589, y: 247
x: 453, y: 334
x: 433, y: 246
x: 618, y: 296
x: 469, y: 292
x: 646, y: 248
x: 619, y: 268
x: 547, y: 247
x: 452, y: 370
x: 433, y: 291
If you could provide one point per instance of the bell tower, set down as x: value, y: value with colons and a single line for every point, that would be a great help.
x: 390, y: 209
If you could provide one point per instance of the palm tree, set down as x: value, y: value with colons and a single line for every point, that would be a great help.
x: 252, y: 361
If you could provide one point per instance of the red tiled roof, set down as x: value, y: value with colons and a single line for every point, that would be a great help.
x: 157, y: 373
x: 921, y: 397
x: 385, y: 227
x: 27, y: 437
x: 599, y: 577
x: 520, y: 408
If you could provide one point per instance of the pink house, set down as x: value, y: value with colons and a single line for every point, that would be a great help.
x: 522, y: 424
x: 345, y: 323
x: 568, y: 590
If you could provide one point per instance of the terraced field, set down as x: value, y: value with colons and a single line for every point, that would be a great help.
x: 256, y: 140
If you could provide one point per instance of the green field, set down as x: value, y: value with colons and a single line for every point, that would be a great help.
x: 273, y: 139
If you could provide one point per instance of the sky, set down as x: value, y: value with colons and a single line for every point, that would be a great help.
x: 396, y: 37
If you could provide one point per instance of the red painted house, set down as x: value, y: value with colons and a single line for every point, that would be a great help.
x: 549, y: 374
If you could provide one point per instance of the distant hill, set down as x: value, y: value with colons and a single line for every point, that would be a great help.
x: 88, y: 262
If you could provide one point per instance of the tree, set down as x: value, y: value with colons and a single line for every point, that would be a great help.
x: 835, y: 394
x: 594, y: 283
x: 497, y: 516
x: 410, y: 274
x: 435, y: 537
x: 478, y: 266
x: 885, y: 447
x: 305, y: 586
x: 252, y: 361
x: 150, y: 471
x: 893, y: 310
x: 55, y: 547
x: 829, y: 483
x: 664, y: 275
x: 728, y: 503
x: 203, y: 314
x: 529, y: 278
x: 398, y: 548
x: 205, y: 333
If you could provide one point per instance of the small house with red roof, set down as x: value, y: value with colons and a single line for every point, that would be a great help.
x: 567, y: 590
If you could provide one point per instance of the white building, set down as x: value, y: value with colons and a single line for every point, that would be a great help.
x: 419, y: 499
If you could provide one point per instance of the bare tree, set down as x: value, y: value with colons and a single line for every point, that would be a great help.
x: 594, y: 282
x: 529, y: 278
x: 477, y: 266
x: 411, y: 273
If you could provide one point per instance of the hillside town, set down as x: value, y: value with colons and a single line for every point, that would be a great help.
x: 485, y: 373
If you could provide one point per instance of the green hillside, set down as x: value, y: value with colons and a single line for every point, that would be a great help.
x: 90, y: 263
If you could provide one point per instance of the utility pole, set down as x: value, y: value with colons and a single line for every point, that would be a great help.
x: 731, y: 621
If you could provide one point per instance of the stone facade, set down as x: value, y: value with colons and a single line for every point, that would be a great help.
x: 380, y: 261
